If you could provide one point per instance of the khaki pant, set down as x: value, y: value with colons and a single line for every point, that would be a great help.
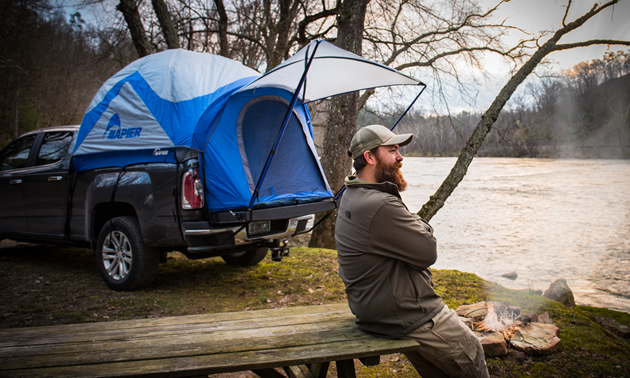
x: 448, y: 349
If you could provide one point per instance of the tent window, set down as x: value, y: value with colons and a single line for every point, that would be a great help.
x: 294, y: 168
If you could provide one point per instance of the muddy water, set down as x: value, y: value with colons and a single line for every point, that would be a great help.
x: 544, y: 219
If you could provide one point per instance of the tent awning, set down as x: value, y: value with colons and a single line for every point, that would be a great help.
x: 334, y: 71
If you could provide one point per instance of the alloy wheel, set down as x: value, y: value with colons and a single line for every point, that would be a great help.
x: 117, y: 253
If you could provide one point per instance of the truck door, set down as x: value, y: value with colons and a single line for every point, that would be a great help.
x: 45, y: 188
x: 14, y: 160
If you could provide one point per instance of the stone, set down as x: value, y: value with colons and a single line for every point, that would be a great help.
x: 537, y: 339
x: 559, y: 291
x: 614, y: 326
x: 528, y: 318
x: 545, y: 318
x: 493, y: 343
x: 516, y: 354
x: 511, y: 275
x: 476, y: 310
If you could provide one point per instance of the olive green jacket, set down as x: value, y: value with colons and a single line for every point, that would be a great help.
x: 384, y: 254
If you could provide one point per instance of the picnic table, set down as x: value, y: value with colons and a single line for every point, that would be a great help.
x: 300, y: 340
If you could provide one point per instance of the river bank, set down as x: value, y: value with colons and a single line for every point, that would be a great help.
x: 45, y: 285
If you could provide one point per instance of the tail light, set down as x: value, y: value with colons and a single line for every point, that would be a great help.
x: 192, y: 190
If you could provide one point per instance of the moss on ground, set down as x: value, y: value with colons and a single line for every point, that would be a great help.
x: 45, y: 285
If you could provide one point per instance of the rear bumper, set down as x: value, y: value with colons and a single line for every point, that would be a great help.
x: 229, y: 230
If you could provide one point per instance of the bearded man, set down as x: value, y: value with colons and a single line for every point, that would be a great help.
x: 385, y: 253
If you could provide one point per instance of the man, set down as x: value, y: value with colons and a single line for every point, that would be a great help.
x: 384, y: 254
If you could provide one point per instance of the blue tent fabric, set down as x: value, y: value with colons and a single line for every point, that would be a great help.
x: 239, y: 146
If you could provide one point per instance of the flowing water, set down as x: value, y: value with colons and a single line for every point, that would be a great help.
x: 544, y: 219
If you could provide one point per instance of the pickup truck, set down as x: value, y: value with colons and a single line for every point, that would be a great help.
x: 132, y: 216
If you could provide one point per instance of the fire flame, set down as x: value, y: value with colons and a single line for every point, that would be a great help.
x: 500, y: 318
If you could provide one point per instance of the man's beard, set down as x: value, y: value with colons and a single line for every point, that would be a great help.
x: 391, y: 173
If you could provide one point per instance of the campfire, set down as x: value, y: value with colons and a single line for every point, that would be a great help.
x: 500, y: 318
x: 501, y: 326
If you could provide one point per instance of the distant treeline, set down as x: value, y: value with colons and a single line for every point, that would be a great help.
x: 584, y: 112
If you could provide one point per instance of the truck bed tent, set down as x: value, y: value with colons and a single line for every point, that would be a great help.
x: 230, y: 114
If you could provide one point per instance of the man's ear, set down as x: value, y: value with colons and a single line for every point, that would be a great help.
x: 369, y: 158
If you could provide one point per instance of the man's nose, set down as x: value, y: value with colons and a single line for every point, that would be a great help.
x: 399, y: 157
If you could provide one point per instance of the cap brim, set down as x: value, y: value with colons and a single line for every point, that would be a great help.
x: 399, y: 139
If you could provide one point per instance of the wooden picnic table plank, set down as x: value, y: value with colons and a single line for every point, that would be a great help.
x: 193, y: 345
x: 227, y: 362
x: 6, y: 334
x: 134, y: 350
x: 47, y: 335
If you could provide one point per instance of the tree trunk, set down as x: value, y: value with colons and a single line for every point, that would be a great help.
x: 224, y: 49
x: 129, y: 9
x: 166, y: 23
x: 458, y: 171
x: 342, y: 119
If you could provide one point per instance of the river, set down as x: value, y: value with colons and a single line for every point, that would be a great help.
x: 543, y: 218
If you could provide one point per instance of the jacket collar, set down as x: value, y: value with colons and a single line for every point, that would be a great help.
x: 353, y: 181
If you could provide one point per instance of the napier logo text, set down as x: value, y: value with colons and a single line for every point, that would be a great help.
x: 115, y: 131
x: 159, y: 152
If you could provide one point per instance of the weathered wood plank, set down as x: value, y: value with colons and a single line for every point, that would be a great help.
x: 268, y: 373
x: 59, y: 345
x: 175, y: 320
x: 345, y: 369
x: 221, y: 363
x: 113, y: 331
x: 306, y: 371
x: 320, y: 369
x: 281, y: 337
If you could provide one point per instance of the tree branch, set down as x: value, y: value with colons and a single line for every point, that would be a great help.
x: 482, y: 129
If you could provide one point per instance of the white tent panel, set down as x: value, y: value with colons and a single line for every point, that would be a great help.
x: 334, y: 71
x: 131, y: 127
x: 180, y: 75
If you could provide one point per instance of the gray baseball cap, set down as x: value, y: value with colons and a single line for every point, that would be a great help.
x: 370, y: 137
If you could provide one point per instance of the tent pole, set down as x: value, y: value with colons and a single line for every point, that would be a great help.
x: 424, y: 86
x: 284, y: 126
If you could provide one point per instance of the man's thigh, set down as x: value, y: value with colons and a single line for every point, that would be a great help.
x: 447, y: 343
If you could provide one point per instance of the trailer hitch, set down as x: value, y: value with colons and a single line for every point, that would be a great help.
x: 280, y: 250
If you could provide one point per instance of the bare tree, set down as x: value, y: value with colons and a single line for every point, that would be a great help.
x: 342, y: 117
x: 166, y: 24
x: 130, y: 11
x: 458, y: 172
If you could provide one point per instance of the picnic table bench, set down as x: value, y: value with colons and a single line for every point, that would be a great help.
x: 300, y: 340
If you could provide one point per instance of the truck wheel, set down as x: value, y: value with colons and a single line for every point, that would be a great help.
x: 247, y: 258
x: 124, y: 261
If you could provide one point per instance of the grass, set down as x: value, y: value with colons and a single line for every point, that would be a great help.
x: 46, y: 285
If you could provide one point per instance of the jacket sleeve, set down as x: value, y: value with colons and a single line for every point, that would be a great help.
x: 396, y: 233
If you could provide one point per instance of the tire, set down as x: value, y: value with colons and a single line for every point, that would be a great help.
x: 124, y: 261
x: 247, y: 258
